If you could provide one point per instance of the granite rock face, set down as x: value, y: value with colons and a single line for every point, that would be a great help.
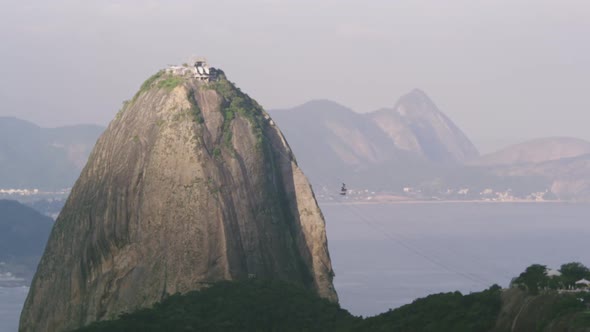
x: 192, y: 183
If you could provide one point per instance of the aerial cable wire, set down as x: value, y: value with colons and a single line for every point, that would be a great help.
x: 472, y: 259
x: 389, y: 236
x: 397, y: 240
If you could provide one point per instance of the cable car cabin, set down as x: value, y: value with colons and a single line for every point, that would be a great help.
x: 343, y: 191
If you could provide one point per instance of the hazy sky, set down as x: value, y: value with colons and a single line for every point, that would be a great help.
x: 503, y: 70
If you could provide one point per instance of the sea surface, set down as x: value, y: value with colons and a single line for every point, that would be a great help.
x: 385, y: 256
x: 11, y: 303
x: 388, y: 255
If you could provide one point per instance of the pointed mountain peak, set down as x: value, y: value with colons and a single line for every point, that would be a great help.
x: 416, y: 124
x: 417, y: 93
x: 415, y: 102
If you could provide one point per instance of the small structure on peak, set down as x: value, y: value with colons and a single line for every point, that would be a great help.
x: 196, y: 68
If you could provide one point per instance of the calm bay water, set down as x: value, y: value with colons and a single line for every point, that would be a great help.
x: 388, y: 255
x: 11, y: 303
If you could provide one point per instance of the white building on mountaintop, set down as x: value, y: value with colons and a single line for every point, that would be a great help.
x: 197, y: 68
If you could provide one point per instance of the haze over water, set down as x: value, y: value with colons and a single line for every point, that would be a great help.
x: 11, y: 303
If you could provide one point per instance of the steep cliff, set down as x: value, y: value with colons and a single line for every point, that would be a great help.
x: 192, y: 183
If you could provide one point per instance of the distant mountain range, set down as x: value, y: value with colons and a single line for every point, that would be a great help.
x: 388, y: 147
x: 536, y: 151
x: 416, y: 125
x: 415, y: 150
x: 44, y: 158
x: 567, y: 178
x: 562, y: 163
x: 412, y: 149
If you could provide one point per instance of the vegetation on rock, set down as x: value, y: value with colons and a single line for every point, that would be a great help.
x: 234, y: 103
x: 147, y: 84
x: 535, y: 278
x: 442, y: 312
x: 170, y: 82
x: 264, y: 305
x: 251, y: 305
x: 270, y: 305
x: 161, y: 80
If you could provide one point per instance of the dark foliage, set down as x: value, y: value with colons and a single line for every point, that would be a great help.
x: 451, y: 312
x: 258, y: 305
x: 264, y: 305
x: 533, y: 278
x: 572, y: 272
x: 562, y: 306
x: 254, y: 305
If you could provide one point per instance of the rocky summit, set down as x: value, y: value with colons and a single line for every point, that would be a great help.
x: 190, y: 184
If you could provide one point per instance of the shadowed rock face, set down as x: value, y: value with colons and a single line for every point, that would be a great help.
x: 190, y: 184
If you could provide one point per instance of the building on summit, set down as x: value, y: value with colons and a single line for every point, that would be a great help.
x: 197, y: 68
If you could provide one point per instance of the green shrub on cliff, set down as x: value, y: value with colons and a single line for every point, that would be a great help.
x: 170, y: 82
x: 234, y: 102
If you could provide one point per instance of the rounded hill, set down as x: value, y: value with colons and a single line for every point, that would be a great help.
x: 192, y: 183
